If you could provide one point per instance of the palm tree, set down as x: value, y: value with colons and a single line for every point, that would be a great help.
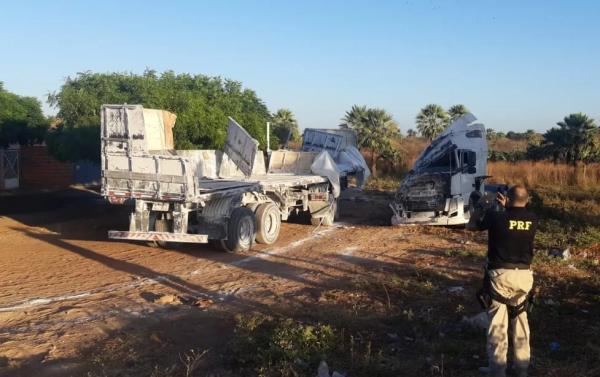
x: 431, y: 121
x: 285, y: 126
x: 580, y: 136
x: 457, y: 111
x: 375, y: 129
x: 411, y: 133
x: 575, y: 140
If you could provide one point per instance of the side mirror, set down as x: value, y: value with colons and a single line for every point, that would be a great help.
x: 471, y: 170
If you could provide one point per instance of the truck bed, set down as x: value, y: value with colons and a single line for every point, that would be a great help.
x: 213, y: 188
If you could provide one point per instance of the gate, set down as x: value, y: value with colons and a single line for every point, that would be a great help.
x: 9, y: 168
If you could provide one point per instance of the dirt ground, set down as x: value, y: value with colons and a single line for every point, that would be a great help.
x: 73, y: 303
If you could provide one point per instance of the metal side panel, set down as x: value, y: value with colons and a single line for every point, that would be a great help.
x: 122, y: 128
x: 283, y: 161
x: 315, y: 140
x: 240, y: 147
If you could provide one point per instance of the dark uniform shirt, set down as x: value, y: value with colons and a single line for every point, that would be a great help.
x: 510, y: 237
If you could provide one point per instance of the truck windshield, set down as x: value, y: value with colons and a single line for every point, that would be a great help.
x: 446, y: 162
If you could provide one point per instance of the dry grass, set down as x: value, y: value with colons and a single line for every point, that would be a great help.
x: 507, y: 145
x: 536, y: 174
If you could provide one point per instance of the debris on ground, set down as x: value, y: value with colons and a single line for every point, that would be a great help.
x: 169, y: 300
x: 323, y: 370
x: 564, y: 254
x: 479, y: 320
x: 204, y: 303
x: 456, y: 290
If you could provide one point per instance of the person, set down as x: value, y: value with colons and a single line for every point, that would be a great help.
x: 508, y: 278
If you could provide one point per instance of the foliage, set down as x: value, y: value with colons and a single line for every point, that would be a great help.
x: 411, y: 133
x: 527, y: 135
x: 285, y: 126
x: 384, y: 183
x: 492, y: 134
x: 432, y: 120
x: 569, y: 216
x: 74, y: 143
x: 375, y: 129
x: 576, y: 139
x: 21, y: 119
x: 457, y: 111
x: 202, y: 105
x: 284, y: 345
x: 511, y: 156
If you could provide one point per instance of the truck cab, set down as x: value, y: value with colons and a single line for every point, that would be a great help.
x: 446, y: 176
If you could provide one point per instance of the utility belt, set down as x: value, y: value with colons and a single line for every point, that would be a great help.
x: 487, y: 293
x: 507, y: 266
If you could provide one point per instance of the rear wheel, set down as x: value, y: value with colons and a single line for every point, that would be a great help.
x: 241, y: 230
x: 268, y: 220
x: 329, y: 218
x: 158, y: 224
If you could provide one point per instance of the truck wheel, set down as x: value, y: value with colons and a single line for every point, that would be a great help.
x: 159, y: 225
x: 268, y: 220
x: 241, y: 230
x: 329, y: 217
x: 473, y: 203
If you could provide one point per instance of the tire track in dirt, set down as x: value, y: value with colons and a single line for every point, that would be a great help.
x: 74, y: 296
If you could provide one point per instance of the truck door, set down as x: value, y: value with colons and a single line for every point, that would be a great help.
x: 468, y: 172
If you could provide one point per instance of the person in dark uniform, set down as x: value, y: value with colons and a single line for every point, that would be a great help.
x: 508, y: 278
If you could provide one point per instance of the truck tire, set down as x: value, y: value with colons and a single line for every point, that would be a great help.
x: 159, y: 225
x: 268, y: 221
x: 329, y: 218
x: 473, y: 203
x: 241, y: 230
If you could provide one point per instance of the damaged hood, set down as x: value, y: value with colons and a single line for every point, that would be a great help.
x: 430, y: 181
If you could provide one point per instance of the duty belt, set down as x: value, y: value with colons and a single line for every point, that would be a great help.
x: 487, y: 293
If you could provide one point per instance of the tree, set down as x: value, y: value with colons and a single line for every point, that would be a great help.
x: 411, y: 133
x: 202, y: 105
x: 375, y: 129
x: 21, y: 119
x: 576, y: 139
x: 457, y: 111
x: 431, y: 121
x: 285, y: 126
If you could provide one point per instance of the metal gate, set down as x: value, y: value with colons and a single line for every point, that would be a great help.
x: 9, y: 168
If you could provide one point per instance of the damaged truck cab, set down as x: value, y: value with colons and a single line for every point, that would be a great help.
x: 447, y: 178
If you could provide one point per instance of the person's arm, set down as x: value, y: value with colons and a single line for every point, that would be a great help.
x: 481, y: 218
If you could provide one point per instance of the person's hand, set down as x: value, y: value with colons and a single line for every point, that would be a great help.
x: 502, y: 199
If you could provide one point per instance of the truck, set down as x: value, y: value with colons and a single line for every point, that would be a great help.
x: 233, y: 197
x: 446, y: 182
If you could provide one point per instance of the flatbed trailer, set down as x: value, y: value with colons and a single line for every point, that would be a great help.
x: 230, y: 196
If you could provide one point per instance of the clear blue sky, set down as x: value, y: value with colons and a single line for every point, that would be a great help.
x: 515, y: 64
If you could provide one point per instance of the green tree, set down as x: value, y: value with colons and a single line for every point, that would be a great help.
x: 375, y: 129
x: 457, y: 111
x: 411, y: 133
x: 202, y: 105
x: 432, y: 120
x: 576, y: 139
x: 285, y: 126
x: 21, y: 119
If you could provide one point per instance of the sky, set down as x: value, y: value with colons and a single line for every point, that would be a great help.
x: 516, y: 65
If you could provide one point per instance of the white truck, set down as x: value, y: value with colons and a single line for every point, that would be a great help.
x: 447, y: 180
x: 234, y: 196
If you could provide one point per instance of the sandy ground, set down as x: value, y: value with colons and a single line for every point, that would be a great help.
x: 65, y: 288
